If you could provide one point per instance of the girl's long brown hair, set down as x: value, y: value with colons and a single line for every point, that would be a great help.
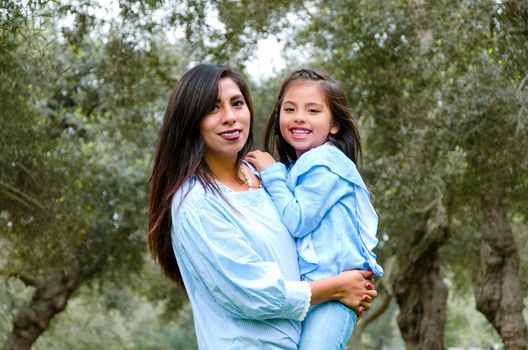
x: 347, y: 139
x: 179, y: 154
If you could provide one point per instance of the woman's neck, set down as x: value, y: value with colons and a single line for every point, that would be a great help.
x: 225, y: 170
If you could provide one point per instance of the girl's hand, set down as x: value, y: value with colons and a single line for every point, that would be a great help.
x: 259, y: 159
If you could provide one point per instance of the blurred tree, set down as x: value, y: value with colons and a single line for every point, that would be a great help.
x: 81, y: 111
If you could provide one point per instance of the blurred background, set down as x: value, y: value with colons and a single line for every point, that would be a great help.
x: 440, y: 92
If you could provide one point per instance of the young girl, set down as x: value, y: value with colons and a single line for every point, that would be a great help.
x: 320, y: 194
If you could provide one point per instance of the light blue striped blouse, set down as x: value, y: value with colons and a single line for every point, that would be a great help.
x: 239, y: 269
x: 325, y: 204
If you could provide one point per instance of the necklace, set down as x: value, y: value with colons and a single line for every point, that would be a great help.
x: 246, y: 179
x: 247, y: 176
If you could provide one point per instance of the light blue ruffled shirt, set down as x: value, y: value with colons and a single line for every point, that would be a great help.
x: 325, y: 204
x: 239, y: 269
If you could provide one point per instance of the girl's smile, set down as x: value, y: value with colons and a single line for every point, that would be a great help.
x: 305, y: 118
x: 300, y: 133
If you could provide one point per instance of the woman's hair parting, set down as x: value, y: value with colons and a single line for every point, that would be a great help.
x: 179, y: 153
x: 347, y: 139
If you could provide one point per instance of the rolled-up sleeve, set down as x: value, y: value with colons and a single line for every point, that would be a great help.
x: 220, y: 257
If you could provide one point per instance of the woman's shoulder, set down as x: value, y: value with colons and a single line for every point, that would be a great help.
x: 190, y: 196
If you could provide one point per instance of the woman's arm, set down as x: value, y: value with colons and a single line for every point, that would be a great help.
x: 219, y: 257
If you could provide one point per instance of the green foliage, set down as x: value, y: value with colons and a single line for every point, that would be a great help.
x: 88, y: 324
x: 440, y: 90
x: 77, y: 128
x: 465, y: 327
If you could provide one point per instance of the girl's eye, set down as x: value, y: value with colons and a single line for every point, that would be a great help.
x: 313, y: 111
x: 288, y: 109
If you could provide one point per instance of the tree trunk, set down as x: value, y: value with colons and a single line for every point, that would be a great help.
x: 497, y: 289
x: 49, y: 298
x: 419, y: 289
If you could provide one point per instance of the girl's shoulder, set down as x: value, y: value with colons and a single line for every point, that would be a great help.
x: 327, y: 157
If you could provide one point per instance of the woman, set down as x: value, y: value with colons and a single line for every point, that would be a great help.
x: 216, y: 232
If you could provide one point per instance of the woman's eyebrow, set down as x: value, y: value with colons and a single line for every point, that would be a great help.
x: 236, y: 97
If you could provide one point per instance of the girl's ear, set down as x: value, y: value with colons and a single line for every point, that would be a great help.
x: 334, y: 129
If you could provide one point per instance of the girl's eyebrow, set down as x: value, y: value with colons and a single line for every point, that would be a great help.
x: 307, y: 104
x: 314, y: 104
x: 291, y: 102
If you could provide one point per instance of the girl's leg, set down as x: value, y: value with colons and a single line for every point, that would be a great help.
x: 328, y: 326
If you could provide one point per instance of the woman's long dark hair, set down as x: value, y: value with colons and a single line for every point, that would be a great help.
x: 179, y: 153
x: 347, y: 139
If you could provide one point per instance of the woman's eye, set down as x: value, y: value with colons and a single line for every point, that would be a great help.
x: 239, y: 103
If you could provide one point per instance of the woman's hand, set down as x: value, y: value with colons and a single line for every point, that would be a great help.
x: 259, y: 159
x: 354, y: 288
x: 358, y: 290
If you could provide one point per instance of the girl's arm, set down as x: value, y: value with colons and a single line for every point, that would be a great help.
x: 303, y: 207
x: 315, y: 191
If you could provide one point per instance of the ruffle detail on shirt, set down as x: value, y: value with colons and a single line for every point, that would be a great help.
x: 331, y: 157
x: 307, y: 255
x: 337, y: 162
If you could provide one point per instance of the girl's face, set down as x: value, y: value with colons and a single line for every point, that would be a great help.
x: 305, y: 118
x: 225, y: 129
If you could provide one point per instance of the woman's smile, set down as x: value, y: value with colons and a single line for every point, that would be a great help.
x: 231, y: 135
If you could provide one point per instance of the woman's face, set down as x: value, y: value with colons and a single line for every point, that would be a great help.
x: 225, y: 129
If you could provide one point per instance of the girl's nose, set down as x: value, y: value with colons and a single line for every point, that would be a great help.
x: 299, y: 117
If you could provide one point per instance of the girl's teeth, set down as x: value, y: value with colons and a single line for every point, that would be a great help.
x: 298, y: 131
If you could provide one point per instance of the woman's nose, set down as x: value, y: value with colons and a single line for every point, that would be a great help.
x: 229, y: 116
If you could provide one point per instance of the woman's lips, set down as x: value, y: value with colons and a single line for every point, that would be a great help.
x: 230, y: 135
